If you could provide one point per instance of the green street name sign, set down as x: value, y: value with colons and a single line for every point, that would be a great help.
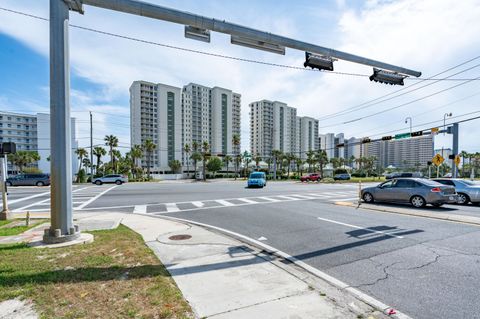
x: 400, y: 136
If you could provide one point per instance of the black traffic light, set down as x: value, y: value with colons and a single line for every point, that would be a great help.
x: 451, y: 156
x: 341, y: 145
x: 366, y: 140
x: 386, y: 138
x: 419, y: 133
x: 387, y: 77
x: 429, y: 163
x: 8, y: 148
x: 316, y: 61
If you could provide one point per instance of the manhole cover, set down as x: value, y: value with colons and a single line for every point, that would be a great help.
x: 179, y: 237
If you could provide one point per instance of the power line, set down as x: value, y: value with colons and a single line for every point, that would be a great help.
x: 369, y: 103
x: 399, y: 106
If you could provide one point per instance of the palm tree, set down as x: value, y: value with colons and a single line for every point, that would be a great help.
x: 149, y: 147
x: 135, y: 153
x: 196, y: 157
x: 187, y: 150
x: 257, y: 160
x: 276, y: 154
x: 175, y: 165
x: 205, y: 155
x: 226, y: 160
x: 310, y: 160
x: 322, y: 160
x: 81, y: 153
x: 289, y: 157
x: 98, y: 152
x: 238, y: 159
x: 236, y: 143
x: 23, y: 158
x: 299, y: 163
x: 111, y: 141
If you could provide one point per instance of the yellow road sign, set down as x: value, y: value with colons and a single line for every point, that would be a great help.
x: 435, y: 130
x: 457, y: 160
x: 438, y: 159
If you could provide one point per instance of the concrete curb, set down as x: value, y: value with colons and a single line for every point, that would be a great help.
x: 385, y: 309
x: 415, y: 212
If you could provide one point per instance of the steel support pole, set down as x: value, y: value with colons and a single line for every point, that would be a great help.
x: 62, y: 228
x: 5, y: 213
x: 454, y: 149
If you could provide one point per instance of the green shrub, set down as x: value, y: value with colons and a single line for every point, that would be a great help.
x: 328, y: 180
x: 32, y: 170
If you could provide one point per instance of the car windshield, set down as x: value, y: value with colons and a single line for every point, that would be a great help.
x: 256, y: 175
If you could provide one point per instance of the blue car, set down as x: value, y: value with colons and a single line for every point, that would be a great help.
x: 257, y: 179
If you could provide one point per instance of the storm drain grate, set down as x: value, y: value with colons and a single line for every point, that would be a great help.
x: 179, y: 237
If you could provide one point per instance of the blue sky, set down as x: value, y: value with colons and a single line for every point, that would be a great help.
x: 430, y: 36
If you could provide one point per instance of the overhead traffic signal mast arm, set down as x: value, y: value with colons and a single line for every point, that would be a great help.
x: 181, y: 17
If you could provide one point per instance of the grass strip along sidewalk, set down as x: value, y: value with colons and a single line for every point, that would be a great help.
x: 17, y: 226
x: 117, y: 276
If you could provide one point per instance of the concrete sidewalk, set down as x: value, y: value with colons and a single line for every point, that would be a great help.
x: 224, y: 278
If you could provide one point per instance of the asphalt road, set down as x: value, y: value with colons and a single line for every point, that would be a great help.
x: 426, y: 268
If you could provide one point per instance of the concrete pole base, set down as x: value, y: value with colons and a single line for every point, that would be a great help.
x: 55, y: 236
x: 6, y: 215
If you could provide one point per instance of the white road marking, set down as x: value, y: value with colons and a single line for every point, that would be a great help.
x: 42, y: 201
x: 88, y: 202
x: 262, y: 238
x: 317, y: 195
x: 171, y: 207
x: 249, y: 201
x: 224, y: 202
x: 339, y: 199
x: 303, y: 196
x: 287, y: 197
x: 198, y: 204
x: 358, y: 227
x: 140, y: 209
x: 270, y: 199
x: 27, y: 198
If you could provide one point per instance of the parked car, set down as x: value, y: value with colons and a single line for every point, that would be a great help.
x: 257, y: 179
x: 468, y: 191
x: 400, y: 175
x: 313, y: 177
x: 110, y: 179
x: 417, y: 191
x: 29, y: 180
x: 341, y: 177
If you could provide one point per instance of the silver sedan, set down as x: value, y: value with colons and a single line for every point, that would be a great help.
x: 468, y: 191
x: 417, y: 191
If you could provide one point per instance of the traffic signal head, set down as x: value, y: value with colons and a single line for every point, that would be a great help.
x: 451, y: 156
x: 429, y: 163
x: 419, y: 133
x: 9, y: 148
x: 387, y: 77
x: 386, y: 138
x: 366, y: 140
x: 197, y: 34
x: 316, y: 61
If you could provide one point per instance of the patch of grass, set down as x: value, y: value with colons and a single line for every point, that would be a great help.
x: 5, y: 222
x: 117, y: 276
x: 16, y: 230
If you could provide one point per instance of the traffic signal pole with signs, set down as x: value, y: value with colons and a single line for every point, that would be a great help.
x: 438, y: 160
x: 5, y: 148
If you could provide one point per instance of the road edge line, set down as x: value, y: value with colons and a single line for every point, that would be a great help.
x: 384, y: 308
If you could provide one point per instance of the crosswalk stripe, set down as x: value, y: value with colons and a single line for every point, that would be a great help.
x: 198, y: 204
x: 246, y: 200
x: 316, y: 195
x: 287, y: 197
x: 140, y: 209
x: 270, y: 199
x: 172, y: 207
x: 303, y: 196
x: 224, y: 202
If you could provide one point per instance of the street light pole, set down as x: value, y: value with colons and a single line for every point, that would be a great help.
x: 61, y: 211
x: 444, y: 120
x: 406, y: 121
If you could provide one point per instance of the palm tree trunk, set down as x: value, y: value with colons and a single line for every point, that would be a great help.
x: 204, y: 170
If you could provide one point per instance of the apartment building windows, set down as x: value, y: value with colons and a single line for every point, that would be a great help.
x: 171, y: 125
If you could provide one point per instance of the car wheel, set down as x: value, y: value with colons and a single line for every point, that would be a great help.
x: 437, y: 205
x: 118, y: 182
x: 418, y: 201
x: 98, y: 182
x: 8, y: 184
x: 463, y: 199
x: 368, y: 198
x: 40, y: 184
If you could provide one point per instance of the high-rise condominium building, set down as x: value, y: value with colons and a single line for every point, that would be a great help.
x: 275, y: 126
x: 31, y: 132
x: 404, y: 153
x: 172, y: 117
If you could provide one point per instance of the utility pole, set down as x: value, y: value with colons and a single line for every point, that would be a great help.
x: 62, y: 228
x: 455, y: 149
x: 91, y: 147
